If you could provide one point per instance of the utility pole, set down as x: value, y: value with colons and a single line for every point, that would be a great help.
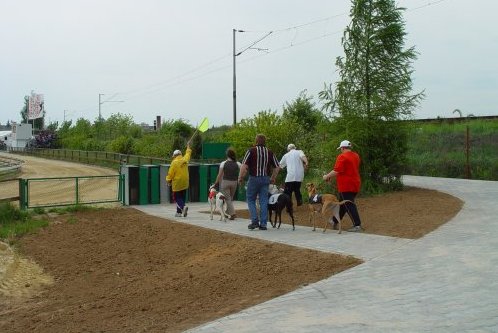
x: 102, y: 102
x: 234, y: 92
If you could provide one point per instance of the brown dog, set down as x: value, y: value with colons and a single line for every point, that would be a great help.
x: 322, y: 204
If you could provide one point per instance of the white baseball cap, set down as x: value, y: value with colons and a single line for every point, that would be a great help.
x: 176, y: 153
x: 344, y: 144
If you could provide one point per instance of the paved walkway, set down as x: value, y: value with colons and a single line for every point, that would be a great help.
x: 446, y: 281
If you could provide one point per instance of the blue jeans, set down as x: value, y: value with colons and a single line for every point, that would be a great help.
x: 258, y: 186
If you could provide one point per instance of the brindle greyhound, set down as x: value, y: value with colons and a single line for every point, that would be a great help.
x: 321, y: 204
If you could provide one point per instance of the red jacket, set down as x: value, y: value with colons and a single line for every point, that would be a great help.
x: 347, y: 166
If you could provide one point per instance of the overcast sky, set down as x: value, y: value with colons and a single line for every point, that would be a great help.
x: 174, y: 58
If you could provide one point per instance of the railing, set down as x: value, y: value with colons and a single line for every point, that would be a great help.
x: 102, y: 158
x: 66, y: 191
x: 89, y: 157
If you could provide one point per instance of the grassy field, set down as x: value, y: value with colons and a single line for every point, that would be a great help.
x: 439, y: 149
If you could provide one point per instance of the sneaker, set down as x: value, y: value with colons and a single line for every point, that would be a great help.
x: 178, y: 215
x: 262, y: 228
x: 356, y: 228
x: 185, y: 210
x: 253, y: 226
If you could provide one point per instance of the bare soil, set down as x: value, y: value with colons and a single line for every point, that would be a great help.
x: 411, y: 213
x: 119, y: 270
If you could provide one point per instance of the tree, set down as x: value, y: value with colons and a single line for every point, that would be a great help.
x: 374, y: 93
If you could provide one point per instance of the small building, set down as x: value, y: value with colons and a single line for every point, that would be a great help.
x: 20, y: 135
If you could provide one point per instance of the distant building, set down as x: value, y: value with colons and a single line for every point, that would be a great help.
x: 146, y: 127
x: 20, y: 135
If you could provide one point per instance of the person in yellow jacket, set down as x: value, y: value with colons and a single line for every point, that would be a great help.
x: 178, y: 179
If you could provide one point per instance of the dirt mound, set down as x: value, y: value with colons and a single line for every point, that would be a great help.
x: 119, y: 270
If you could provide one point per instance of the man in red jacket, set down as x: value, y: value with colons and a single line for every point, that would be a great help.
x: 347, y: 173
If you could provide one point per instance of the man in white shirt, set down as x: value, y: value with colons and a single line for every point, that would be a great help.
x: 296, y: 162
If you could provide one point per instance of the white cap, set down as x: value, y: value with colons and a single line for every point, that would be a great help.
x: 344, y: 144
x: 176, y: 153
x: 291, y: 146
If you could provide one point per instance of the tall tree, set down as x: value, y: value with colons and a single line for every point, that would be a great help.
x: 374, y: 93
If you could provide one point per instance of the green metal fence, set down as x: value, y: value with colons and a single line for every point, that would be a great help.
x: 102, y: 158
x: 66, y: 191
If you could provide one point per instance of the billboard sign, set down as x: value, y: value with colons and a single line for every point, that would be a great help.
x: 35, y: 106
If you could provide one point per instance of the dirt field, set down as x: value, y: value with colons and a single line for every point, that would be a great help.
x: 119, y: 270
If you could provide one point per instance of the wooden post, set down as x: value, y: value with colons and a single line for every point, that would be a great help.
x: 467, y: 154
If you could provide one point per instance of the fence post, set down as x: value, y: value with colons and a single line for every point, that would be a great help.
x: 22, y: 194
x: 77, y: 192
x: 122, y: 187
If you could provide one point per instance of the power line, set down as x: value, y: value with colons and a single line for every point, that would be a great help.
x: 182, y: 78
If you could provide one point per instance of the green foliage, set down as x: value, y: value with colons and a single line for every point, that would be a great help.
x: 14, y: 222
x: 122, y: 144
x: 180, y: 132
x: 373, y: 94
x: 439, y: 149
x: 303, y: 112
x: 119, y: 134
x: 279, y: 132
x: 215, y: 134
x: 155, y: 145
x: 9, y: 213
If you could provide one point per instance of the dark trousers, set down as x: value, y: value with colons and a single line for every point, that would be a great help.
x: 296, y: 188
x: 349, y: 207
x: 179, y: 197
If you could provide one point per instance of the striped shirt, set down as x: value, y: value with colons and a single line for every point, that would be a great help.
x: 259, y: 159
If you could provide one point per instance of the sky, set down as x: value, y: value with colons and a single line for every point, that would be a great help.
x: 174, y: 59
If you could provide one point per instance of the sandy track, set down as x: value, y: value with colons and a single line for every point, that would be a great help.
x: 35, y: 167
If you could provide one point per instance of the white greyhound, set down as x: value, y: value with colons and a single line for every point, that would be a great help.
x: 217, y: 202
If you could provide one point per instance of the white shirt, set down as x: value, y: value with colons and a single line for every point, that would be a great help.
x: 295, y: 165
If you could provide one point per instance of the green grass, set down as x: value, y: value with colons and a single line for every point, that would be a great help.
x: 15, y: 223
x: 73, y: 209
x: 439, y: 149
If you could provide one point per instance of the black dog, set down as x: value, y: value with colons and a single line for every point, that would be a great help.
x: 283, y: 201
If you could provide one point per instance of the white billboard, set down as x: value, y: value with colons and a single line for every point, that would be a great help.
x: 35, y: 106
